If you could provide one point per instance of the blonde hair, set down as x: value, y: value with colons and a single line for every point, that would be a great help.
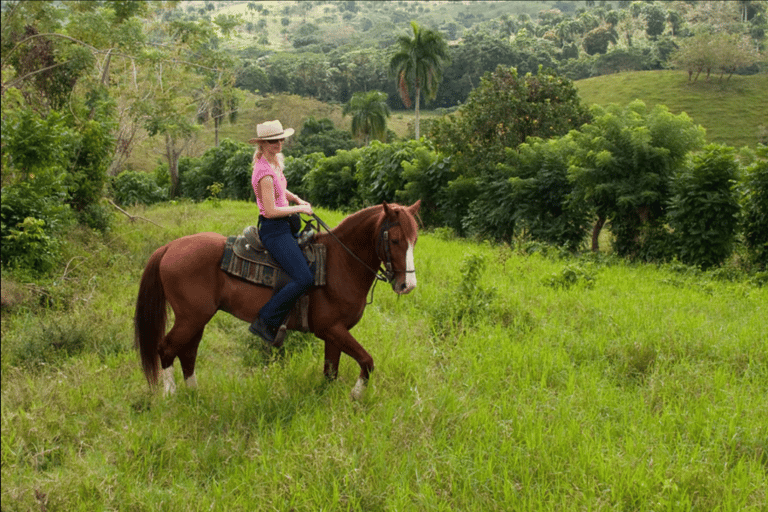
x: 260, y: 152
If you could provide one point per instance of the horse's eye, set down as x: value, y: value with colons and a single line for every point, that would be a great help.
x: 396, y: 241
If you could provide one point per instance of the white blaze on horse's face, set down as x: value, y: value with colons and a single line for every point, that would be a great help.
x: 410, y: 270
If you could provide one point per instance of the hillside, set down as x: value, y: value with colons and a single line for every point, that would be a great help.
x: 732, y: 111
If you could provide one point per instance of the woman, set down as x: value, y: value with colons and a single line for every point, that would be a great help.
x: 274, y: 198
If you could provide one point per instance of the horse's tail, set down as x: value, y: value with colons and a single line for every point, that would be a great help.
x: 151, y: 314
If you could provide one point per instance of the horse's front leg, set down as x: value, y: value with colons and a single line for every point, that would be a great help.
x: 338, y: 339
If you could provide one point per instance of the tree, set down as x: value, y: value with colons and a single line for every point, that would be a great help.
x: 369, y: 115
x: 704, y: 208
x: 707, y: 51
x: 655, y: 19
x: 503, y: 111
x: 623, y: 164
x: 180, y: 76
x: 419, y: 63
x: 597, y: 40
x: 755, y: 208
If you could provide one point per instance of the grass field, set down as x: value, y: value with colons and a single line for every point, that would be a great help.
x: 734, y: 112
x: 505, y: 381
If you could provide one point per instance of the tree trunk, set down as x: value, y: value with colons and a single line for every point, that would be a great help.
x: 596, y: 233
x: 173, y: 163
x: 418, y: 98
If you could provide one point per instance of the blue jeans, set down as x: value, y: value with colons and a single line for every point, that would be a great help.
x: 277, y: 238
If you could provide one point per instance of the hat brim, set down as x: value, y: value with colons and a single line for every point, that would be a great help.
x: 286, y: 133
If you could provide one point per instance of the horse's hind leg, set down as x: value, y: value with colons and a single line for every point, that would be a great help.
x: 182, y: 342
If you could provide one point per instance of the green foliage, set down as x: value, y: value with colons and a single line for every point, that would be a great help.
x: 755, y: 208
x: 503, y: 111
x: 133, y: 187
x: 655, y: 19
x: 369, y: 113
x: 32, y: 143
x: 572, y: 275
x: 427, y: 175
x: 230, y: 164
x: 320, y: 135
x: 214, y: 190
x: 87, y: 175
x: 542, y: 193
x: 461, y: 307
x: 332, y: 183
x: 704, y: 208
x: 596, y: 41
x: 34, y: 204
x: 28, y: 245
x: 379, y: 172
x: 623, y: 165
x: 296, y: 170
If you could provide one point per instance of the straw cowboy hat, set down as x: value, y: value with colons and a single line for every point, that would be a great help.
x: 271, y: 130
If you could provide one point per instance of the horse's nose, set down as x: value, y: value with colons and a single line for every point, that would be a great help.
x: 405, y: 288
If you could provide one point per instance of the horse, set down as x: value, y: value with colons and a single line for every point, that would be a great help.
x: 186, y: 273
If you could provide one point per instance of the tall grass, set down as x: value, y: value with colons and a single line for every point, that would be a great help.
x: 505, y: 381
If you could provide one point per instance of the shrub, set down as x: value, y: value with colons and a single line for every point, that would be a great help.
x: 467, y: 302
x: 133, y: 187
x: 34, y: 214
x: 332, y: 182
x: 29, y: 246
x: 297, y: 169
x: 230, y: 163
x: 541, y: 194
x: 755, y: 209
x: 704, y: 208
x: 427, y: 176
x: 380, y: 170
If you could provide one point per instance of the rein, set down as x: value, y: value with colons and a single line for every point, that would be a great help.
x: 388, y: 277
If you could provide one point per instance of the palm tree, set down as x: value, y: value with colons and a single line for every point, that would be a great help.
x: 369, y: 115
x: 420, y: 61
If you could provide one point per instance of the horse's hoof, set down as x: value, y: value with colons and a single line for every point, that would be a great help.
x: 359, y: 390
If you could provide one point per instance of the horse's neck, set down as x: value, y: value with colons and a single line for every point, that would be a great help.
x: 357, y: 232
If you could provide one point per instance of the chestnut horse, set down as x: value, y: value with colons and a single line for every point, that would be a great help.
x: 187, y: 274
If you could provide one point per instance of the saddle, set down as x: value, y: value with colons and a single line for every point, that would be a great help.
x: 247, y: 258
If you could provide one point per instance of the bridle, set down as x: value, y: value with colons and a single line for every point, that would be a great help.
x: 388, y: 273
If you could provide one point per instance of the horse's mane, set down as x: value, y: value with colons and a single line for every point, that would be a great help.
x: 407, y: 222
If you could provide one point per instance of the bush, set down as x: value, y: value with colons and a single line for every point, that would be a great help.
x: 296, y: 171
x: 541, y: 194
x: 29, y: 246
x: 230, y: 163
x: 34, y: 214
x: 704, y: 208
x: 380, y: 170
x: 132, y: 187
x: 755, y: 209
x: 427, y: 176
x: 332, y: 182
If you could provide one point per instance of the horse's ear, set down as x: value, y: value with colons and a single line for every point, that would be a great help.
x: 388, y: 211
x: 414, y: 208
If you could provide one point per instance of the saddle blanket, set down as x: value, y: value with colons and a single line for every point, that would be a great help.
x: 246, y: 257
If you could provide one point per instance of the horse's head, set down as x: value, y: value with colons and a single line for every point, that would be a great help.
x: 398, y: 233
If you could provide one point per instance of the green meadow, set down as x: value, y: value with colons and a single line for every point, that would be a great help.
x: 510, y: 379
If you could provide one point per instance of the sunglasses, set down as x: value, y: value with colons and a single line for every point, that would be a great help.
x: 274, y: 141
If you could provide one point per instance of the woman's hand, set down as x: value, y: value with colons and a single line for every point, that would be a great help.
x: 305, y: 208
